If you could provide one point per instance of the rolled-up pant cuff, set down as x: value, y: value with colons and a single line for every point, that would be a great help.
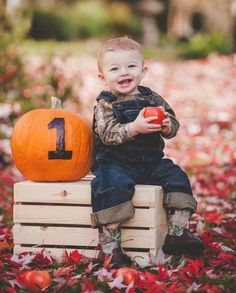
x: 180, y: 200
x: 118, y: 213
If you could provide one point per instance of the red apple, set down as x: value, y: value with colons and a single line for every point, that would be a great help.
x: 155, y: 111
x: 129, y: 275
x: 36, y: 280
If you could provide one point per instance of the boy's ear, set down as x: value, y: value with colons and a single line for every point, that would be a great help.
x: 145, y: 69
x: 100, y: 76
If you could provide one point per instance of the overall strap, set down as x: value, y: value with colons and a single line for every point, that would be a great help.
x: 107, y: 96
x: 144, y: 90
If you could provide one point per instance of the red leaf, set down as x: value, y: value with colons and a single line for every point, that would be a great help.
x: 214, y: 217
x: 73, y: 257
x: 89, y: 285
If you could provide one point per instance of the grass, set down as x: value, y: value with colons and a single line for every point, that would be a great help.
x: 167, y: 50
x: 90, y: 47
x: 52, y: 47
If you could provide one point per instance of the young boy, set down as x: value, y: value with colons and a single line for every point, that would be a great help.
x: 129, y: 150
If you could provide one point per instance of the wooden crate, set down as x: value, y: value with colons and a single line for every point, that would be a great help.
x: 56, y: 216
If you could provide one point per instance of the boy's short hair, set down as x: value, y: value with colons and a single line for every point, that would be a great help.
x: 113, y: 44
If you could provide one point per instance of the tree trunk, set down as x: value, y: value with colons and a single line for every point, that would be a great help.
x: 149, y: 10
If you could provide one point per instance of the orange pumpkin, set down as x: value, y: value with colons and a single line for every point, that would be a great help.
x: 52, y: 145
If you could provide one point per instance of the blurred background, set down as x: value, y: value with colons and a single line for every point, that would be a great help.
x: 42, y: 29
x: 48, y: 48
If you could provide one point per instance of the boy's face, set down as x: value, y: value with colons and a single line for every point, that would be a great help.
x: 122, y: 70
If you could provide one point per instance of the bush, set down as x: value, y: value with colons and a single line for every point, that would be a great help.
x: 89, y: 19
x: 12, y: 77
x: 83, y: 20
x: 201, y: 45
x: 14, y: 26
x: 49, y: 25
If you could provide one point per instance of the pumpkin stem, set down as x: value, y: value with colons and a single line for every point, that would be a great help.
x: 56, y: 103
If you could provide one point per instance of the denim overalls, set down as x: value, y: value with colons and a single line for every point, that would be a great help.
x: 119, y: 167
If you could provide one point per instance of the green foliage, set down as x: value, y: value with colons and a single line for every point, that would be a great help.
x: 21, y: 90
x: 132, y: 28
x: 49, y: 48
x: 13, y: 27
x: 49, y: 25
x: 11, y: 73
x: 88, y: 19
x: 83, y: 19
x: 16, y: 84
x: 103, y: 287
x: 201, y: 45
x: 226, y: 281
x: 12, y: 80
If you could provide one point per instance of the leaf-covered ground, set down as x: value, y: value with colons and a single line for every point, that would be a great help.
x: 203, y: 94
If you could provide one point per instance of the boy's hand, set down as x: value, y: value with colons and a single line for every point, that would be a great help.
x: 166, y: 125
x: 142, y: 125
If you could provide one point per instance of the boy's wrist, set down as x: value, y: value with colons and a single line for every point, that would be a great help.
x: 166, y: 133
x: 131, y: 129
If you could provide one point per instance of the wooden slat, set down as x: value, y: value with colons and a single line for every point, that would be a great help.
x: 73, y: 215
x: 142, y: 258
x: 74, y: 192
x: 161, y: 224
x: 67, y: 236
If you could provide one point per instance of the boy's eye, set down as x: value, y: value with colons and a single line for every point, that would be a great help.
x: 132, y: 65
x: 114, y: 68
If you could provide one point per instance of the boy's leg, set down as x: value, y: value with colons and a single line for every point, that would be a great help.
x: 110, y: 243
x: 112, y: 192
x: 178, y: 221
x: 179, y: 239
x: 180, y: 204
x: 109, y: 237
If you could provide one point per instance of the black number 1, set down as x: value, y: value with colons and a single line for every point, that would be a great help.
x: 59, y: 153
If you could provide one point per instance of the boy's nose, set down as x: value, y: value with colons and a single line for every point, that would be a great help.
x: 123, y: 71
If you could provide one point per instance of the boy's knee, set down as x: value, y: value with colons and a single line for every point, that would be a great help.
x: 180, y: 200
x: 115, y: 214
x: 110, y: 197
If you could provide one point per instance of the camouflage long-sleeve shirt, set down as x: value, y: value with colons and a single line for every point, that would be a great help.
x: 113, y: 132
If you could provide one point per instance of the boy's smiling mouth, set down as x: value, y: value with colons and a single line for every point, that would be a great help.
x: 125, y: 82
